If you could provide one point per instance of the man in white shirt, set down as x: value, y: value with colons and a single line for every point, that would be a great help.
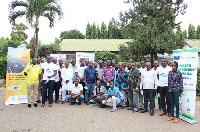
x: 75, y: 93
x: 66, y: 75
x: 162, y: 73
x: 56, y: 84
x: 80, y: 74
x: 141, y: 97
x: 149, y: 85
x: 49, y: 71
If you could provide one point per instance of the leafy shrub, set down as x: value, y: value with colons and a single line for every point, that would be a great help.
x: 106, y: 55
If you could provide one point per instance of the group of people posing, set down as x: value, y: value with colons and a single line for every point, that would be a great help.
x: 107, y: 83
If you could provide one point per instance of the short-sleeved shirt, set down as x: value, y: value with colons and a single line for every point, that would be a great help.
x: 74, y: 68
x: 49, y: 70
x: 102, y: 90
x: 80, y: 71
x: 33, y: 72
x: 76, y: 90
x: 99, y: 71
x: 112, y: 91
x: 90, y: 75
x: 121, y: 79
x: 163, y: 75
x: 133, y: 76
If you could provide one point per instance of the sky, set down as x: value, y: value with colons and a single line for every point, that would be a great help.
x: 77, y: 13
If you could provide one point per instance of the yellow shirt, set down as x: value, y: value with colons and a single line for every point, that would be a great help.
x: 33, y: 72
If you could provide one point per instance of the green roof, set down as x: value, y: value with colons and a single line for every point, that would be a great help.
x: 92, y: 44
x: 193, y: 43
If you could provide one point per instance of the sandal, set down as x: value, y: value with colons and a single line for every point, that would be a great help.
x: 50, y: 105
x: 42, y: 105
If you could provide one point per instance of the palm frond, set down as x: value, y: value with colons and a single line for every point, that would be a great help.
x: 50, y: 12
x: 17, y: 3
x: 14, y: 15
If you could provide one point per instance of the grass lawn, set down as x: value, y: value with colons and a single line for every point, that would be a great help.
x: 3, y: 85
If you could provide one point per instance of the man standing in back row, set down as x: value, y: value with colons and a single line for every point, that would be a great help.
x: 32, y: 72
x: 162, y: 73
x: 108, y: 74
x: 90, y: 77
x: 49, y: 70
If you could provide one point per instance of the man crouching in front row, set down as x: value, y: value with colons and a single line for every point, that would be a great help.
x: 75, y: 93
x: 113, y: 98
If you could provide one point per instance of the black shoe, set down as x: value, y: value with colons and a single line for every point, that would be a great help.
x: 79, y: 103
x: 143, y: 111
x: 102, y: 106
x: 29, y: 105
x: 71, y: 103
x: 151, y: 112
x: 86, y: 103
x: 38, y: 101
x: 35, y: 104
x: 62, y: 102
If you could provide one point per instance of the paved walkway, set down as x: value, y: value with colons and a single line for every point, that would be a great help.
x: 66, y: 118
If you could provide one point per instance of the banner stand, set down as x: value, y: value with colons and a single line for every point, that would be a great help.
x: 187, y: 64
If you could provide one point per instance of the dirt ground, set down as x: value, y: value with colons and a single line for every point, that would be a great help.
x: 83, y: 118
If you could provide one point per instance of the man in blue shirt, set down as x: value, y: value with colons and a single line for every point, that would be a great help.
x: 90, y: 77
x: 113, y: 98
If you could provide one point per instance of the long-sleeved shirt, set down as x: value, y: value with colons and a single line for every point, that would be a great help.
x: 108, y: 74
x: 175, y: 81
x: 149, y: 80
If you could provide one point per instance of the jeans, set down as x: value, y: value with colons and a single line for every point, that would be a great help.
x: 123, y: 102
x: 164, y: 93
x: 50, y: 85
x: 133, y: 99
x: 148, y: 97
x: 141, y: 99
x: 89, y: 92
x: 56, y: 89
x: 83, y: 84
x: 174, y: 100
x: 69, y: 97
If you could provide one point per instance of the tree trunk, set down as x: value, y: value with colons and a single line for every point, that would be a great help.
x: 36, y: 32
x: 151, y: 58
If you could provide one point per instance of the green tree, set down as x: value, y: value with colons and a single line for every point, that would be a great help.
x: 152, y: 23
x: 98, y: 32
x: 33, y: 10
x: 93, y: 31
x: 180, y: 35
x: 185, y: 34
x: 191, y: 32
x: 72, y: 34
x: 47, y: 49
x: 198, y: 32
x: 18, y: 32
x: 88, y: 31
x: 114, y: 32
x: 103, y: 31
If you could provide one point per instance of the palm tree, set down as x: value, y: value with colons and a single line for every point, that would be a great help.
x: 33, y: 10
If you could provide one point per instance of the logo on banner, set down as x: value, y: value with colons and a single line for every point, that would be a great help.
x: 176, y: 57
